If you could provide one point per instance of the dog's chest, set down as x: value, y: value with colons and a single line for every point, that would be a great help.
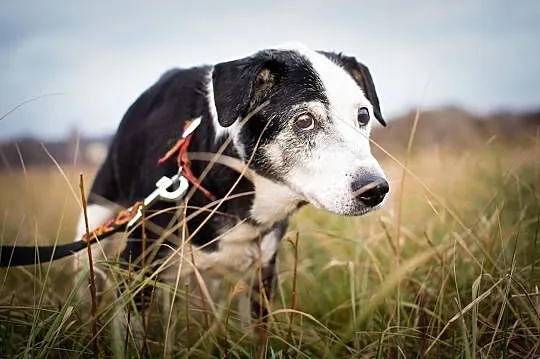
x: 248, y: 243
x: 273, y: 202
x: 242, y: 247
x: 239, y: 249
x: 255, y: 241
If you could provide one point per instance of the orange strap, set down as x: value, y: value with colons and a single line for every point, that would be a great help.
x: 114, y: 224
x: 182, y: 160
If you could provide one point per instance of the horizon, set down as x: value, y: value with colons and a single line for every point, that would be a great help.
x: 97, y: 58
x: 439, y: 112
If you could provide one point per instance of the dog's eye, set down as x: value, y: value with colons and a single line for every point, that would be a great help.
x: 363, y: 116
x: 305, y: 122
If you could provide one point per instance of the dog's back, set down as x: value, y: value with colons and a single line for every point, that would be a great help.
x: 306, y: 141
x: 151, y: 125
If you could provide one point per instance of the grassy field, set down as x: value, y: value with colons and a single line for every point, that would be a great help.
x: 449, y: 269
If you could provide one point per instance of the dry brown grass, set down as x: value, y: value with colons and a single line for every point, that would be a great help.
x: 448, y: 269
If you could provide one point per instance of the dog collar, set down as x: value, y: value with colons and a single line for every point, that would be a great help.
x: 182, y: 160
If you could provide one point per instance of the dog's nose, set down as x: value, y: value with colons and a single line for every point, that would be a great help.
x: 370, y: 191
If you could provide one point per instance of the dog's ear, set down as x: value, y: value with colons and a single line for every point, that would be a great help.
x: 240, y: 85
x: 360, y: 73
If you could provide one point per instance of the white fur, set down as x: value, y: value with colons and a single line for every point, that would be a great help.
x: 97, y: 215
x: 220, y: 130
x: 273, y: 202
x: 344, y: 94
x: 238, y: 247
x: 325, y: 178
x: 333, y: 191
x: 233, y: 260
x: 237, y: 251
x: 269, y: 246
x: 239, y: 233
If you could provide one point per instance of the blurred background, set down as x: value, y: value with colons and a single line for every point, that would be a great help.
x: 82, y: 64
x: 459, y: 85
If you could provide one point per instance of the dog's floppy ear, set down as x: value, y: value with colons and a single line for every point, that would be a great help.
x: 242, y: 84
x: 360, y: 73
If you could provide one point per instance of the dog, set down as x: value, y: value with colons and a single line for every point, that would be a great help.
x: 296, y: 122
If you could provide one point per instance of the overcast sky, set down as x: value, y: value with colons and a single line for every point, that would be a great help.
x: 98, y: 56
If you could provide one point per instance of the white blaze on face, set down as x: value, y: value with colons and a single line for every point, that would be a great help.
x: 343, y: 154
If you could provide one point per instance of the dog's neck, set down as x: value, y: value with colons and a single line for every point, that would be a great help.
x: 245, y: 196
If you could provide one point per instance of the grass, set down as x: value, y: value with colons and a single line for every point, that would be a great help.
x: 449, y: 269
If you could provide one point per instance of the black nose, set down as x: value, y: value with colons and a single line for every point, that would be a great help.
x: 370, y: 191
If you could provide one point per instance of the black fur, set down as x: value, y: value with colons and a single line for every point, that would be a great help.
x: 155, y: 121
x: 279, y: 79
x: 360, y: 73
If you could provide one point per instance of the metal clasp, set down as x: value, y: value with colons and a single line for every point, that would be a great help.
x: 164, y: 183
x: 162, y: 192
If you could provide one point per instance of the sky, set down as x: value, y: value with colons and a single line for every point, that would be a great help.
x: 80, y: 64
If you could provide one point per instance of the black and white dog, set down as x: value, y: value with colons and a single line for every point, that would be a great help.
x: 308, y: 143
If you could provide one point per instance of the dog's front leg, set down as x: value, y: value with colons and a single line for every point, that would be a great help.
x: 265, y: 277
x: 101, y: 251
x: 261, y: 295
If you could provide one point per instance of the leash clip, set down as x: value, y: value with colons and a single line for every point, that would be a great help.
x: 162, y: 192
x: 164, y: 183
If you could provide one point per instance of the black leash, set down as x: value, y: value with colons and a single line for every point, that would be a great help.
x: 13, y: 255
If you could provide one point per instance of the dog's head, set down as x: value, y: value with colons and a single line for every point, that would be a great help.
x: 312, y: 133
